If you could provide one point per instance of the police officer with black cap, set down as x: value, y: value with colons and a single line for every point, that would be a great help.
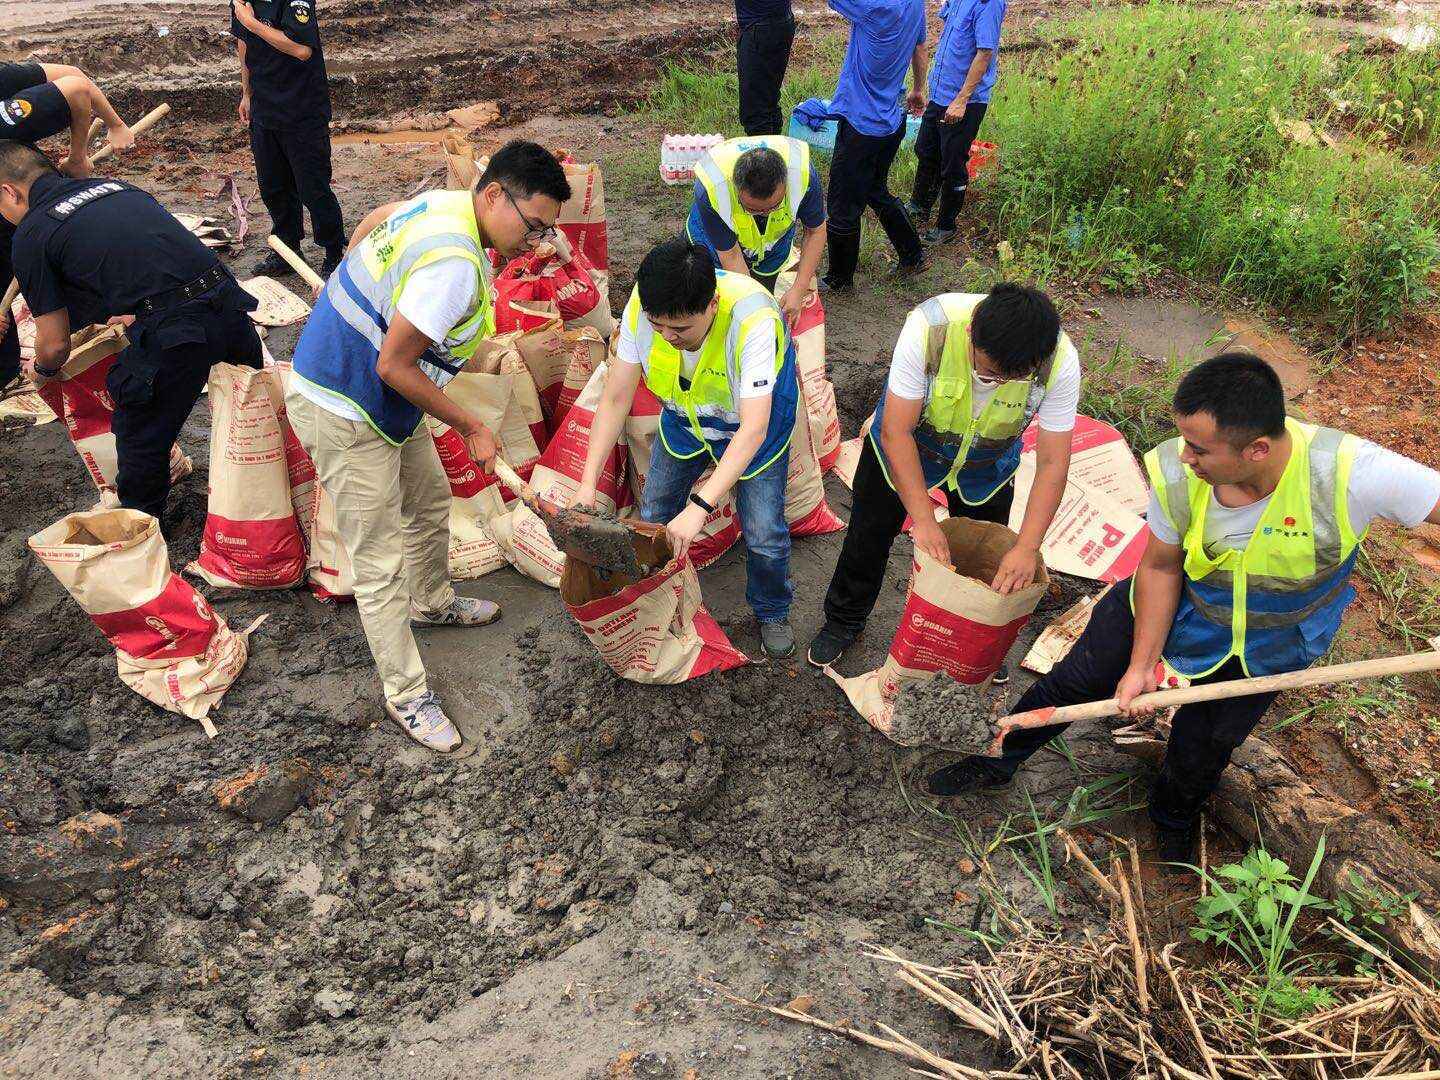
x: 285, y: 102
x: 99, y: 250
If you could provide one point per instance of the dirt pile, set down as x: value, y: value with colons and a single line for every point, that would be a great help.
x: 947, y: 713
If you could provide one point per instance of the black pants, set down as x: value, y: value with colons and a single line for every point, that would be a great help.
x: 293, y: 170
x: 860, y: 177
x: 876, y: 514
x: 943, y: 155
x: 761, y: 55
x: 10, y: 339
x: 157, y: 380
x: 1202, y: 736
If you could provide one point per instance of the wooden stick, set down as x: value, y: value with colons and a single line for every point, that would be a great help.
x: 1142, y: 990
x: 948, y: 999
x: 1089, y: 867
x: 11, y: 291
x: 1189, y: 1016
x: 299, y: 265
x: 144, y: 124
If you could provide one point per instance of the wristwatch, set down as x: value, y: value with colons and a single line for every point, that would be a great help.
x: 45, y: 373
x: 698, y: 501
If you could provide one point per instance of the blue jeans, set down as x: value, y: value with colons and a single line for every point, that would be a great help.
x: 760, y: 501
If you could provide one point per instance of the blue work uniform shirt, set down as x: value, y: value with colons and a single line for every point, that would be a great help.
x: 970, y: 25
x: 705, y: 228
x: 884, y: 35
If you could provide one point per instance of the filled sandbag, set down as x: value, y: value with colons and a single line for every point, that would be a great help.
x: 496, y: 387
x: 953, y: 623
x: 252, y: 537
x: 557, y: 475
x: 816, y: 389
x: 474, y: 499
x: 558, y: 359
x: 807, y: 511
x: 655, y: 630
x: 170, y: 647
x: 78, y: 396
x: 552, y: 274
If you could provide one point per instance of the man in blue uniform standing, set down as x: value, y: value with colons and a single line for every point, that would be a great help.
x: 750, y: 197
x: 285, y: 102
x: 97, y: 250
x: 886, y: 37
x: 960, y: 86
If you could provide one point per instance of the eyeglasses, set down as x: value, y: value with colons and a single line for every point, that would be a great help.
x: 988, y: 380
x: 534, y: 230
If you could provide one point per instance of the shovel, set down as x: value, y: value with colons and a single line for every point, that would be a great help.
x: 1216, y: 691
x: 602, y: 542
x: 144, y: 124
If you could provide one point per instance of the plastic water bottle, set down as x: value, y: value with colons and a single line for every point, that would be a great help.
x: 680, y: 153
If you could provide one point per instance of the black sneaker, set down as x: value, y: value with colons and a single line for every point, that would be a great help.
x: 1175, y: 845
x: 938, y: 235
x: 828, y: 645
x: 777, y: 640
x: 918, y: 214
x: 966, y: 775
x: 1001, y: 676
x: 828, y: 287
x: 272, y: 266
x: 332, y: 260
x: 910, y: 269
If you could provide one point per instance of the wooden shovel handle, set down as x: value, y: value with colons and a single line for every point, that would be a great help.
x: 11, y: 291
x: 511, y: 479
x: 299, y: 265
x: 144, y: 124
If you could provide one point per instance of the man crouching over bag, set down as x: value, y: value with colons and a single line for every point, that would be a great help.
x: 406, y: 307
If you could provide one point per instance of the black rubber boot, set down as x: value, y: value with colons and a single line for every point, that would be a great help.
x: 844, y: 257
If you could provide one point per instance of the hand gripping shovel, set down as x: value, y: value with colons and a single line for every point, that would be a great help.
x: 603, y: 542
x: 1217, y: 691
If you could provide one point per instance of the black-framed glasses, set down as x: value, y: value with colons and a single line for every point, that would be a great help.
x: 534, y: 230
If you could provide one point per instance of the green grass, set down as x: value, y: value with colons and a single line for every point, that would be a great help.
x: 1165, y: 136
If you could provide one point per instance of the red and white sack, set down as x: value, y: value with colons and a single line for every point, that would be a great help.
x: 554, y: 356
x: 252, y: 536
x: 474, y: 499
x: 582, y: 217
x: 553, y: 273
x: 557, y: 476
x: 953, y: 622
x: 722, y: 528
x: 807, y: 511
x: 79, y: 398
x: 170, y: 647
x: 816, y: 389
x: 655, y: 630
x: 496, y: 387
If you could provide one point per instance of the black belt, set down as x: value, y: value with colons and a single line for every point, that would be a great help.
x: 172, y: 298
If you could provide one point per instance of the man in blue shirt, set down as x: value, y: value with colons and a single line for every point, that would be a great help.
x: 886, y: 37
x: 960, y: 85
x: 762, y: 52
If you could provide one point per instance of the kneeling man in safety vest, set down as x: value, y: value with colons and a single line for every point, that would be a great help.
x: 407, y: 306
x: 969, y: 374
x: 1256, y: 522
x: 714, y: 349
x: 750, y: 195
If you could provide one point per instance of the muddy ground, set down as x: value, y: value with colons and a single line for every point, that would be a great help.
x: 313, y: 894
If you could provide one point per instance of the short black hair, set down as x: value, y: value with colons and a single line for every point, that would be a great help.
x: 20, y: 162
x: 1240, y: 391
x: 759, y: 172
x: 525, y: 169
x: 1017, y: 327
x: 676, y: 280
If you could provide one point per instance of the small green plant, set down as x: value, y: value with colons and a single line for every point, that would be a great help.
x: 1366, y: 911
x: 1251, y: 911
x: 1037, y: 843
x: 1425, y: 784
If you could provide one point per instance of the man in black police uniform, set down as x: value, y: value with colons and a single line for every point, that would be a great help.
x: 96, y: 251
x: 37, y: 101
x: 285, y: 100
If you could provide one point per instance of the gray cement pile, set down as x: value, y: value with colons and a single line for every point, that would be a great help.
x: 943, y: 712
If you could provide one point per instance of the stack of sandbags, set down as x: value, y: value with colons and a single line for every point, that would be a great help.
x: 816, y: 389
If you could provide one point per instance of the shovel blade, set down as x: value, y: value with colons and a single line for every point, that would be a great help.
x: 603, y: 542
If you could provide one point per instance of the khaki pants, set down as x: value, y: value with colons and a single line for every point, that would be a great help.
x: 392, y: 510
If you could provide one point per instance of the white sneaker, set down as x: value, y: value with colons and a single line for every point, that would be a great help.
x: 425, y: 721
x: 463, y: 611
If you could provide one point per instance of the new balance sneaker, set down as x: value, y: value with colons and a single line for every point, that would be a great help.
x: 777, y: 640
x: 966, y: 775
x: 425, y: 721
x: 463, y: 611
x: 828, y: 645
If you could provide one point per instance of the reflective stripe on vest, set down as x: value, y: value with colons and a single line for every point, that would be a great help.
x: 742, y: 303
x: 716, y: 175
x: 982, y: 445
x: 1276, y: 604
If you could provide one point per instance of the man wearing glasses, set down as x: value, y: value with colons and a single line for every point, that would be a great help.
x: 408, y: 305
x: 968, y: 375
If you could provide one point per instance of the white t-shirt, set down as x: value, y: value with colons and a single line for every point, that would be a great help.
x: 436, y: 298
x: 1383, y: 484
x: 908, y: 380
x: 757, y: 369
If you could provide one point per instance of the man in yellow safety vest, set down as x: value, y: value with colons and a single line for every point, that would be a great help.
x: 1256, y: 522
x: 751, y: 195
x: 715, y: 350
x: 969, y: 374
x: 407, y: 306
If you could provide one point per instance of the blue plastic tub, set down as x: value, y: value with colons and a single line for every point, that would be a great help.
x: 824, y: 139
